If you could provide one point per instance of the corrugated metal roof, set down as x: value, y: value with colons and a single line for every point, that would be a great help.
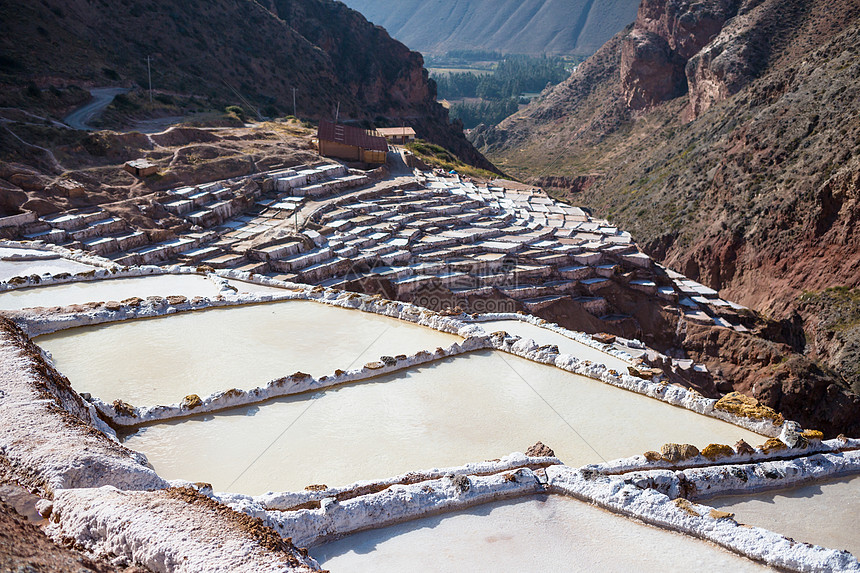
x: 354, y: 136
x: 396, y: 131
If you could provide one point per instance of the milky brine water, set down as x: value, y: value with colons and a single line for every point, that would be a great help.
x: 105, y: 290
x: 824, y: 513
x: 565, y: 345
x: 9, y: 269
x: 161, y: 360
x: 11, y: 252
x: 469, y: 408
x: 532, y: 534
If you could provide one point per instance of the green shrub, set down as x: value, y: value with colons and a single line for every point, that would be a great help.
x: 237, y: 111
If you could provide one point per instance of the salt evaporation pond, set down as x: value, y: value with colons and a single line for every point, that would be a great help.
x: 463, y: 409
x: 823, y: 513
x: 161, y: 360
x: 109, y: 289
x: 189, y: 285
x: 9, y: 252
x: 17, y: 268
x: 532, y: 534
x: 565, y: 345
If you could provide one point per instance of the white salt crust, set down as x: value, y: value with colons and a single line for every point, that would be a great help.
x: 744, y: 478
x: 286, y: 386
x: 579, y: 337
x: 285, y: 501
x: 623, y: 496
x: 702, y: 483
x: 51, y: 441
x: 399, y: 503
x: 641, y: 463
x: 641, y: 495
x: 161, y: 532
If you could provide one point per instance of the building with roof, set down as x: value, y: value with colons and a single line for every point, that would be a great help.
x: 351, y: 143
x: 401, y: 135
x: 140, y: 168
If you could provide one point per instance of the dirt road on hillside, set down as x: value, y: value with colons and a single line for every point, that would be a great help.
x: 102, y: 97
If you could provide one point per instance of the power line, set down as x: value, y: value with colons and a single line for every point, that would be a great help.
x: 295, y: 113
x: 149, y: 74
x: 551, y: 407
x: 241, y: 97
x: 303, y: 412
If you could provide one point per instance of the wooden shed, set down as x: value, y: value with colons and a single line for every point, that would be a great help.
x: 351, y: 143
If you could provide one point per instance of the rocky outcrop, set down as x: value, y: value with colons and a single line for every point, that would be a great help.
x: 733, y: 58
x: 539, y: 450
x: 666, y: 34
x: 686, y: 26
x: 773, y: 379
x: 567, y: 184
x: 651, y: 72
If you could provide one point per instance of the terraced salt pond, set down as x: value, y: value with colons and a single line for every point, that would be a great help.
x: 472, y: 407
x: 532, y: 534
x: 565, y: 345
x: 104, y: 290
x: 161, y: 360
x: 824, y: 513
x: 18, y: 268
x: 11, y: 252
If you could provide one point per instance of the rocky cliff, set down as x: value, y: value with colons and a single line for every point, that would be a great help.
x: 726, y: 137
x: 665, y: 36
x: 223, y: 52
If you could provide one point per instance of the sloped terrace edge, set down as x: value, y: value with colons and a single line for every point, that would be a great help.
x: 48, y: 434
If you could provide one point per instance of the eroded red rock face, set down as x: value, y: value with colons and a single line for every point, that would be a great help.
x: 651, y: 72
x: 666, y: 34
x: 685, y: 25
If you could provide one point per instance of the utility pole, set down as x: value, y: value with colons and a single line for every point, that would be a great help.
x: 295, y: 114
x: 337, y: 113
x: 149, y: 73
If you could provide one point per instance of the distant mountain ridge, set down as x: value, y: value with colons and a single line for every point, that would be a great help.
x: 511, y: 26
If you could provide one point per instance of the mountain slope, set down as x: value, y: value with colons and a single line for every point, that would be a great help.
x: 766, y: 159
x: 725, y: 135
x: 512, y: 26
x: 221, y: 52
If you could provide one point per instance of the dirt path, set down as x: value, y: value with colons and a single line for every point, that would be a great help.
x: 80, y: 118
x: 397, y: 163
x: 399, y: 174
x: 307, y: 210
